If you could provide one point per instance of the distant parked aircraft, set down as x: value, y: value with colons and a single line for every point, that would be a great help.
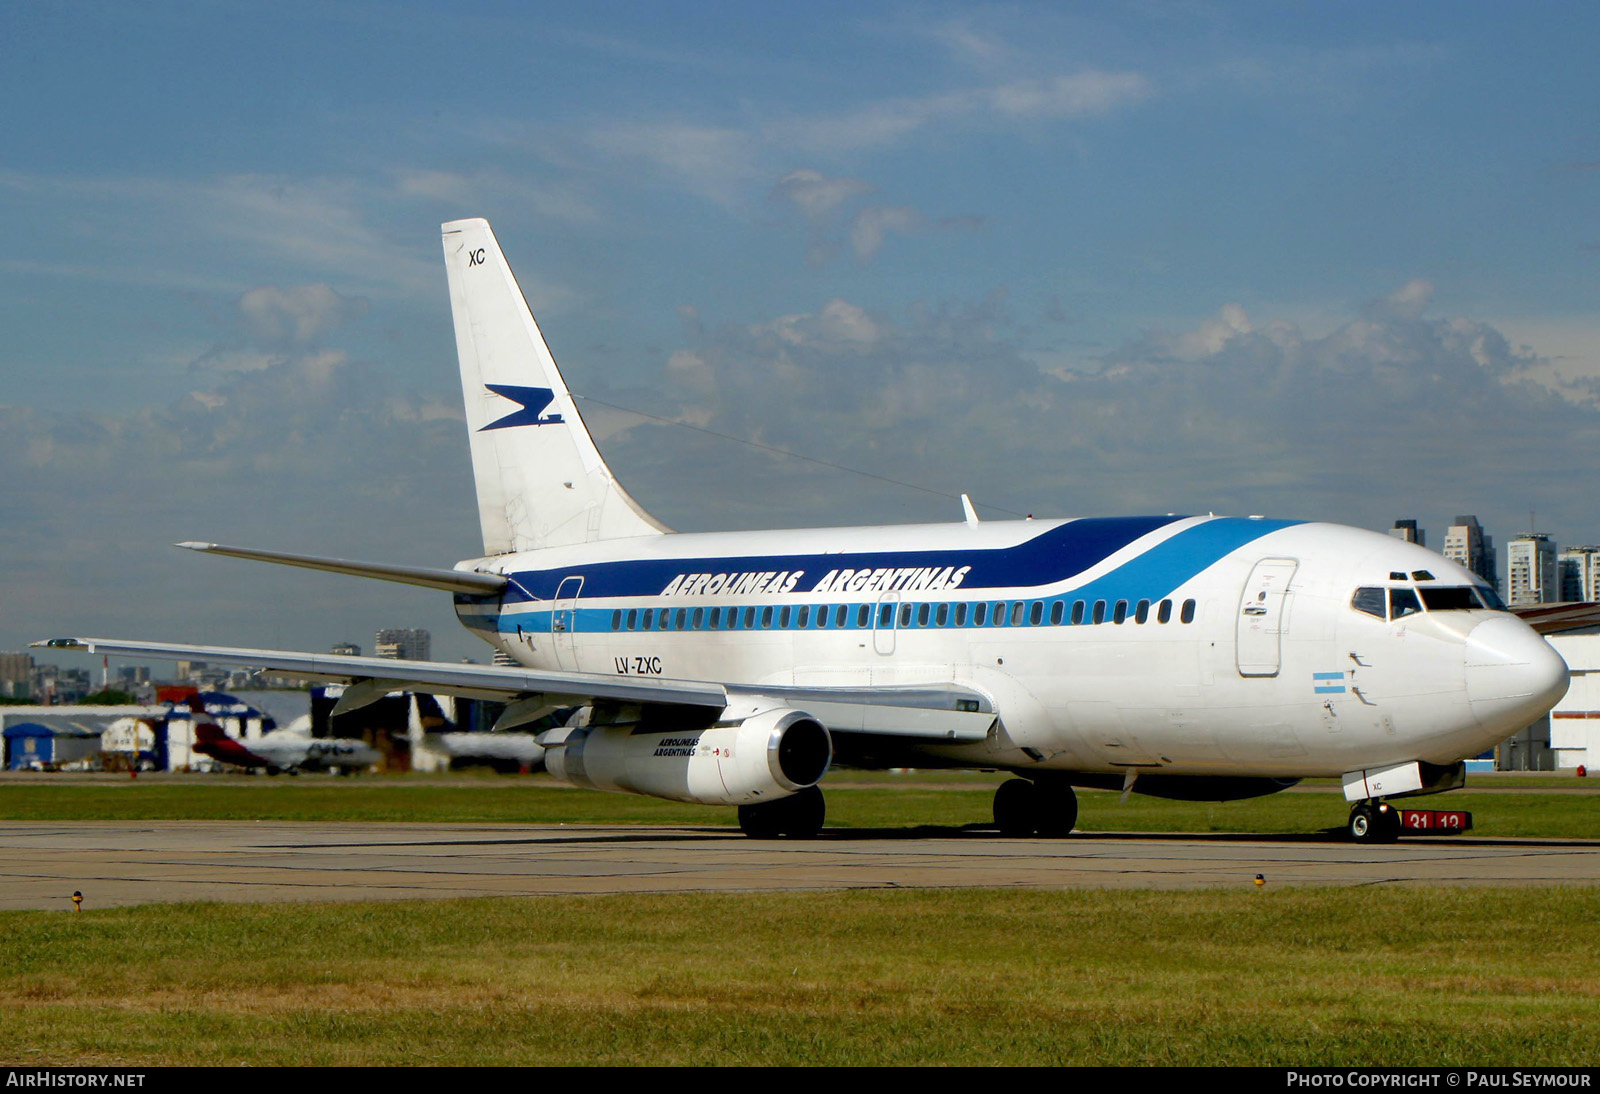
x: 285, y: 750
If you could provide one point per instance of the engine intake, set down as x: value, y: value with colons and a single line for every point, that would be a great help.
x: 767, y: 755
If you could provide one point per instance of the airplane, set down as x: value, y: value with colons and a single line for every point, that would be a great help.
x: 290, y: 749
x: 1190, y: 657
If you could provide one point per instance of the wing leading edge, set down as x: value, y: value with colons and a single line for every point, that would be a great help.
x: 943, y: 712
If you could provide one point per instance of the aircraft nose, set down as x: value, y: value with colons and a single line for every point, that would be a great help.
x: 1513, y: 675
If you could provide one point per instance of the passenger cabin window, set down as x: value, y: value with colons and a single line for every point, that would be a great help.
x: 1371, y: 600
x: 1120, y: 613
x: 1099, y: 611
x: 1057, y: 609
x: 980, y: 612
x: 1141, y: 614
x: 1403, y: 602
x: 1078, y: 607
x: 1016, y: 614
x: 805, y: 616
x: 1164, y: 612
x: 1188, y: 611
x: 961, y: 615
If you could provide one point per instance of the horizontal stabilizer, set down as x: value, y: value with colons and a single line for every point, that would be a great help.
x: 469, y: 582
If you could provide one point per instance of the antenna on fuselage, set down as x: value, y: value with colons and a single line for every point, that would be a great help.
x: 967, y: 509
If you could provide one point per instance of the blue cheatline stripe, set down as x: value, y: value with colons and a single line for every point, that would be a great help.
x: 1152, y: 576
x: 1327, y: 676
x: 1050, y: 557
x: 1339, y: 690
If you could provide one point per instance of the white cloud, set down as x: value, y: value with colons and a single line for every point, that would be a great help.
x: 298, y: 313
x: 1061, y: 97
x: 1381, y: 416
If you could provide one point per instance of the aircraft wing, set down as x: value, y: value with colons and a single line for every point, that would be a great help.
x: 1556, y: 618
x: 943, y: 712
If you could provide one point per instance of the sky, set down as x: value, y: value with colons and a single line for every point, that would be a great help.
x: 1334, y: 262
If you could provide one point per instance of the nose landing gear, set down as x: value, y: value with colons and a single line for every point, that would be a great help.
x: 1373, y: 822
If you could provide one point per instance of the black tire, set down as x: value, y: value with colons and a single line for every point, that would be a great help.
x: 1364, y: 825
x: 1056, y: 808
x: 1388, y: 818
x: 803, y: 814
x: 758, y: 821
x: 799, y: 816
x: 1016, y: 808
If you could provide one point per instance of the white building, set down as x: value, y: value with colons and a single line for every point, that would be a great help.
x: 1465, y: 543
x: 1575, y: 721
x: 1580, y: 574
x: 1531, y: 574
x: 404, y: 643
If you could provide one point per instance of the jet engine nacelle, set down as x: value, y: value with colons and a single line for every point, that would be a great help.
x: 768, y: 755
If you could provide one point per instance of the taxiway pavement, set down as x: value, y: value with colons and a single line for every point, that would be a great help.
x: 111, y: 863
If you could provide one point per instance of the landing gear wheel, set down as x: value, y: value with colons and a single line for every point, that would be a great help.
x: 1374, y: 823
x: 1056, y: 808
x: 1016, y: 808
x: 1388, y: 823
x: 798, y: 816
x: 805, y: 813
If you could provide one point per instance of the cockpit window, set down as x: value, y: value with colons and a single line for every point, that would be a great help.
x: 1370, y: 600
x: 1421, y: 575
x: 1403, y: 602
x: 1491, y: 599
x: 1450, y: 598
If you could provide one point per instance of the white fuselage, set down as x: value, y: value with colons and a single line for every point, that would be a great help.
x: 1238, y: 651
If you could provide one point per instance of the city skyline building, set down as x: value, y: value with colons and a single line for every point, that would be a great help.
x: 1531, y: 572
x: 1407, y: 530
x: 1466, y: 544
x: 1579, y: 569
x: 403, y: 644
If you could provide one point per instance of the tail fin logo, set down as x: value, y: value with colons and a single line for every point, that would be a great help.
x: 533, y: 400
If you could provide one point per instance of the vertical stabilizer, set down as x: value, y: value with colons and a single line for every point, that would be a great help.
x: 541, y: 481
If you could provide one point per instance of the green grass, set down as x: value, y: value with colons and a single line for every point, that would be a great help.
x: 1275, y: 977
x: 898, y: 802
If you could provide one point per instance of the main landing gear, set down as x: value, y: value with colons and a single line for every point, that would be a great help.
x: 1023, y: 808
x: 1373, y: 822
x: 799, y: 816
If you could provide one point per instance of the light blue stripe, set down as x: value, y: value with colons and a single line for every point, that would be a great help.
x: 1331, y: 691
x: 1327, y: 676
